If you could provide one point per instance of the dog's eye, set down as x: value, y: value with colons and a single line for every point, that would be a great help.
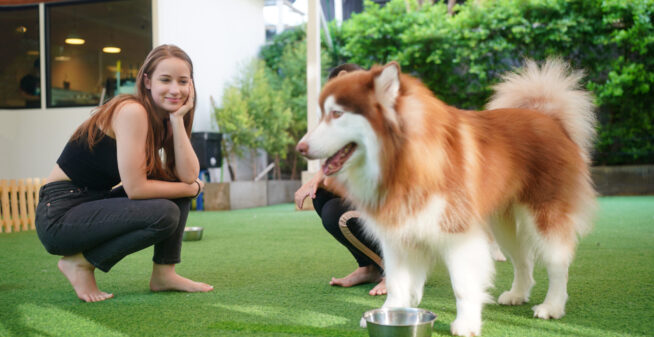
x: 337, y: 113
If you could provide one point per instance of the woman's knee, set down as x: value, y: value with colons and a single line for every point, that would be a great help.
x: 168, y: 214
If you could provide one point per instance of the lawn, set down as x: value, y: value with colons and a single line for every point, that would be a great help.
x: 271, y: 266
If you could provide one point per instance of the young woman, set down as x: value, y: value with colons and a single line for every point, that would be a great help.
x: 143, y: 142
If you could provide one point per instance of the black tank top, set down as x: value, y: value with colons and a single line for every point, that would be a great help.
x: 95, y: 168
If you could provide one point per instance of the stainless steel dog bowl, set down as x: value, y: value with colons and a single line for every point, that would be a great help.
x: 399, y: 322
x: 192, y: 233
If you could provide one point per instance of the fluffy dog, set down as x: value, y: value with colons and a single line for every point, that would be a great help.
x: 431, y: 179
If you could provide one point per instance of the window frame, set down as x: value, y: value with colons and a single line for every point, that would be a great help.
x: 46, y: 37
x: 41, y: 56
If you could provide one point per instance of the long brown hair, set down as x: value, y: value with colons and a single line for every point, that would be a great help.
x: 156, y: 167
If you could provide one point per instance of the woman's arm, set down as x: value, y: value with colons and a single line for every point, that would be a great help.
x: 332, y: 185
x: 187, y: 166
x: 130, y: 127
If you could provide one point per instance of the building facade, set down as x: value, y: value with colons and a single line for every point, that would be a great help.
x: 59, y: 65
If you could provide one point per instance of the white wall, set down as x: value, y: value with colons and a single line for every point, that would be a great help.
x: 32, y: 139
x: 218, y: 35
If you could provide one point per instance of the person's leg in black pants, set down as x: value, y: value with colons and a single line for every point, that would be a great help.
x: 330, y: 208
x: 96, y: 229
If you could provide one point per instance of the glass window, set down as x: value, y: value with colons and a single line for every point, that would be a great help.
x: 95, y: 49
x: 20, y: 83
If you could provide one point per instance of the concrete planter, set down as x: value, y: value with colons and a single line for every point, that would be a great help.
x: 216, y: 196
x: 248, y: 194
x: 624, y: 180
x: 281, y: 191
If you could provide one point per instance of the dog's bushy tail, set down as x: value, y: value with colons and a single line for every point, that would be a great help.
x: 554, y: 90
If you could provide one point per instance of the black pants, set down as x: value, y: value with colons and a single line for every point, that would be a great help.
x: 106, y: 226
x: 330, y: 207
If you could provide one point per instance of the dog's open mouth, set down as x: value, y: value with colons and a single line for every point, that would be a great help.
x: 334, y: 163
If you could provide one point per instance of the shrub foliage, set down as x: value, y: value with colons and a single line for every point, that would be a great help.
x: 461, y: 56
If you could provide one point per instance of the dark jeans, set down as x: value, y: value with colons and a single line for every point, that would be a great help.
x: 330, y: 207
x: 106, y: 226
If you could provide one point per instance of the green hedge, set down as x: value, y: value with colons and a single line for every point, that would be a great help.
x: 461, y: 56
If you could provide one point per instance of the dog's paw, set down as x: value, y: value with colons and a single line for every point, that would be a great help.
x: 362, y: 323
x: 547, y: 311
x: 461, y: 327
x: 511, y: 298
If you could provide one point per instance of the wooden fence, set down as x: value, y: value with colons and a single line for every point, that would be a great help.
x: 18, y: 200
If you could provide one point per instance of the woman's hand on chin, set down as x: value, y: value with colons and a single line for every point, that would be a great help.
x: 188, y: 105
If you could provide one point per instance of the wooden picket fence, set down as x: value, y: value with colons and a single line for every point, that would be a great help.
x: 18, y: 200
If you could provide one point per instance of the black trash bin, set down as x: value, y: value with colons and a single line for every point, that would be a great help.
x: 207, y: 148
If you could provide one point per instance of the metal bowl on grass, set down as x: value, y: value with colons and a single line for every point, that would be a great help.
x: 192, y: 233
x: 399, y: 322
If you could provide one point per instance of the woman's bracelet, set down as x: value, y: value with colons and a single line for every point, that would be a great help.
x: 199, y: 190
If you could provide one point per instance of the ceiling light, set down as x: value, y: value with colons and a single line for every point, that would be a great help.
x: 74, y: 39
x: 111, y: 50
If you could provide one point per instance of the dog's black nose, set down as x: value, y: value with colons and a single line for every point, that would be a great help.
x: 303, y: 148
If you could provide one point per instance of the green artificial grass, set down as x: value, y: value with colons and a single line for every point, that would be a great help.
x: 271, y: 266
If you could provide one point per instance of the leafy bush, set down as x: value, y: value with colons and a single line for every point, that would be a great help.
x: 461, y: 56
x: 254, y: 115
x: 286, y: 58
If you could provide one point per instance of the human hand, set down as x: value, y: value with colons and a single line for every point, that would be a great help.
x: 188, y: 104
x: 308, y: 189
x: 200, y: 186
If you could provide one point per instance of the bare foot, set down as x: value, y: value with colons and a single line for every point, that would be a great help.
x: 367, y: 274
x: 164, y: 278
x: 379, y: 289
x: 80, y: 274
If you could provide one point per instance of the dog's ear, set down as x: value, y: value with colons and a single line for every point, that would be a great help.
x: 341, y: 73
x: 387, y: 84
x: 387, y: 88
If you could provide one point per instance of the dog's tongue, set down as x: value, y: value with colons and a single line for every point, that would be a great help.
x: 334, y: 163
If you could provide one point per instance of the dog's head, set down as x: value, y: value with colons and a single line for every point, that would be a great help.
x: 356, y: 108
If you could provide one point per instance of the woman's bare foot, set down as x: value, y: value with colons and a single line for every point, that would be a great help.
x: 80, y: 274
x: 164, y: 278
x: 379, y: 289
x: 367, y: 274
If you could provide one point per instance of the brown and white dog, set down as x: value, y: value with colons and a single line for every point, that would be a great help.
x: 431, y: 179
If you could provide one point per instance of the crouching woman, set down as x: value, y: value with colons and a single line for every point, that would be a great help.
x: 143, y: 142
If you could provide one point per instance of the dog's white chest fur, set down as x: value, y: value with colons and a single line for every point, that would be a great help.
x: 420, y: 229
